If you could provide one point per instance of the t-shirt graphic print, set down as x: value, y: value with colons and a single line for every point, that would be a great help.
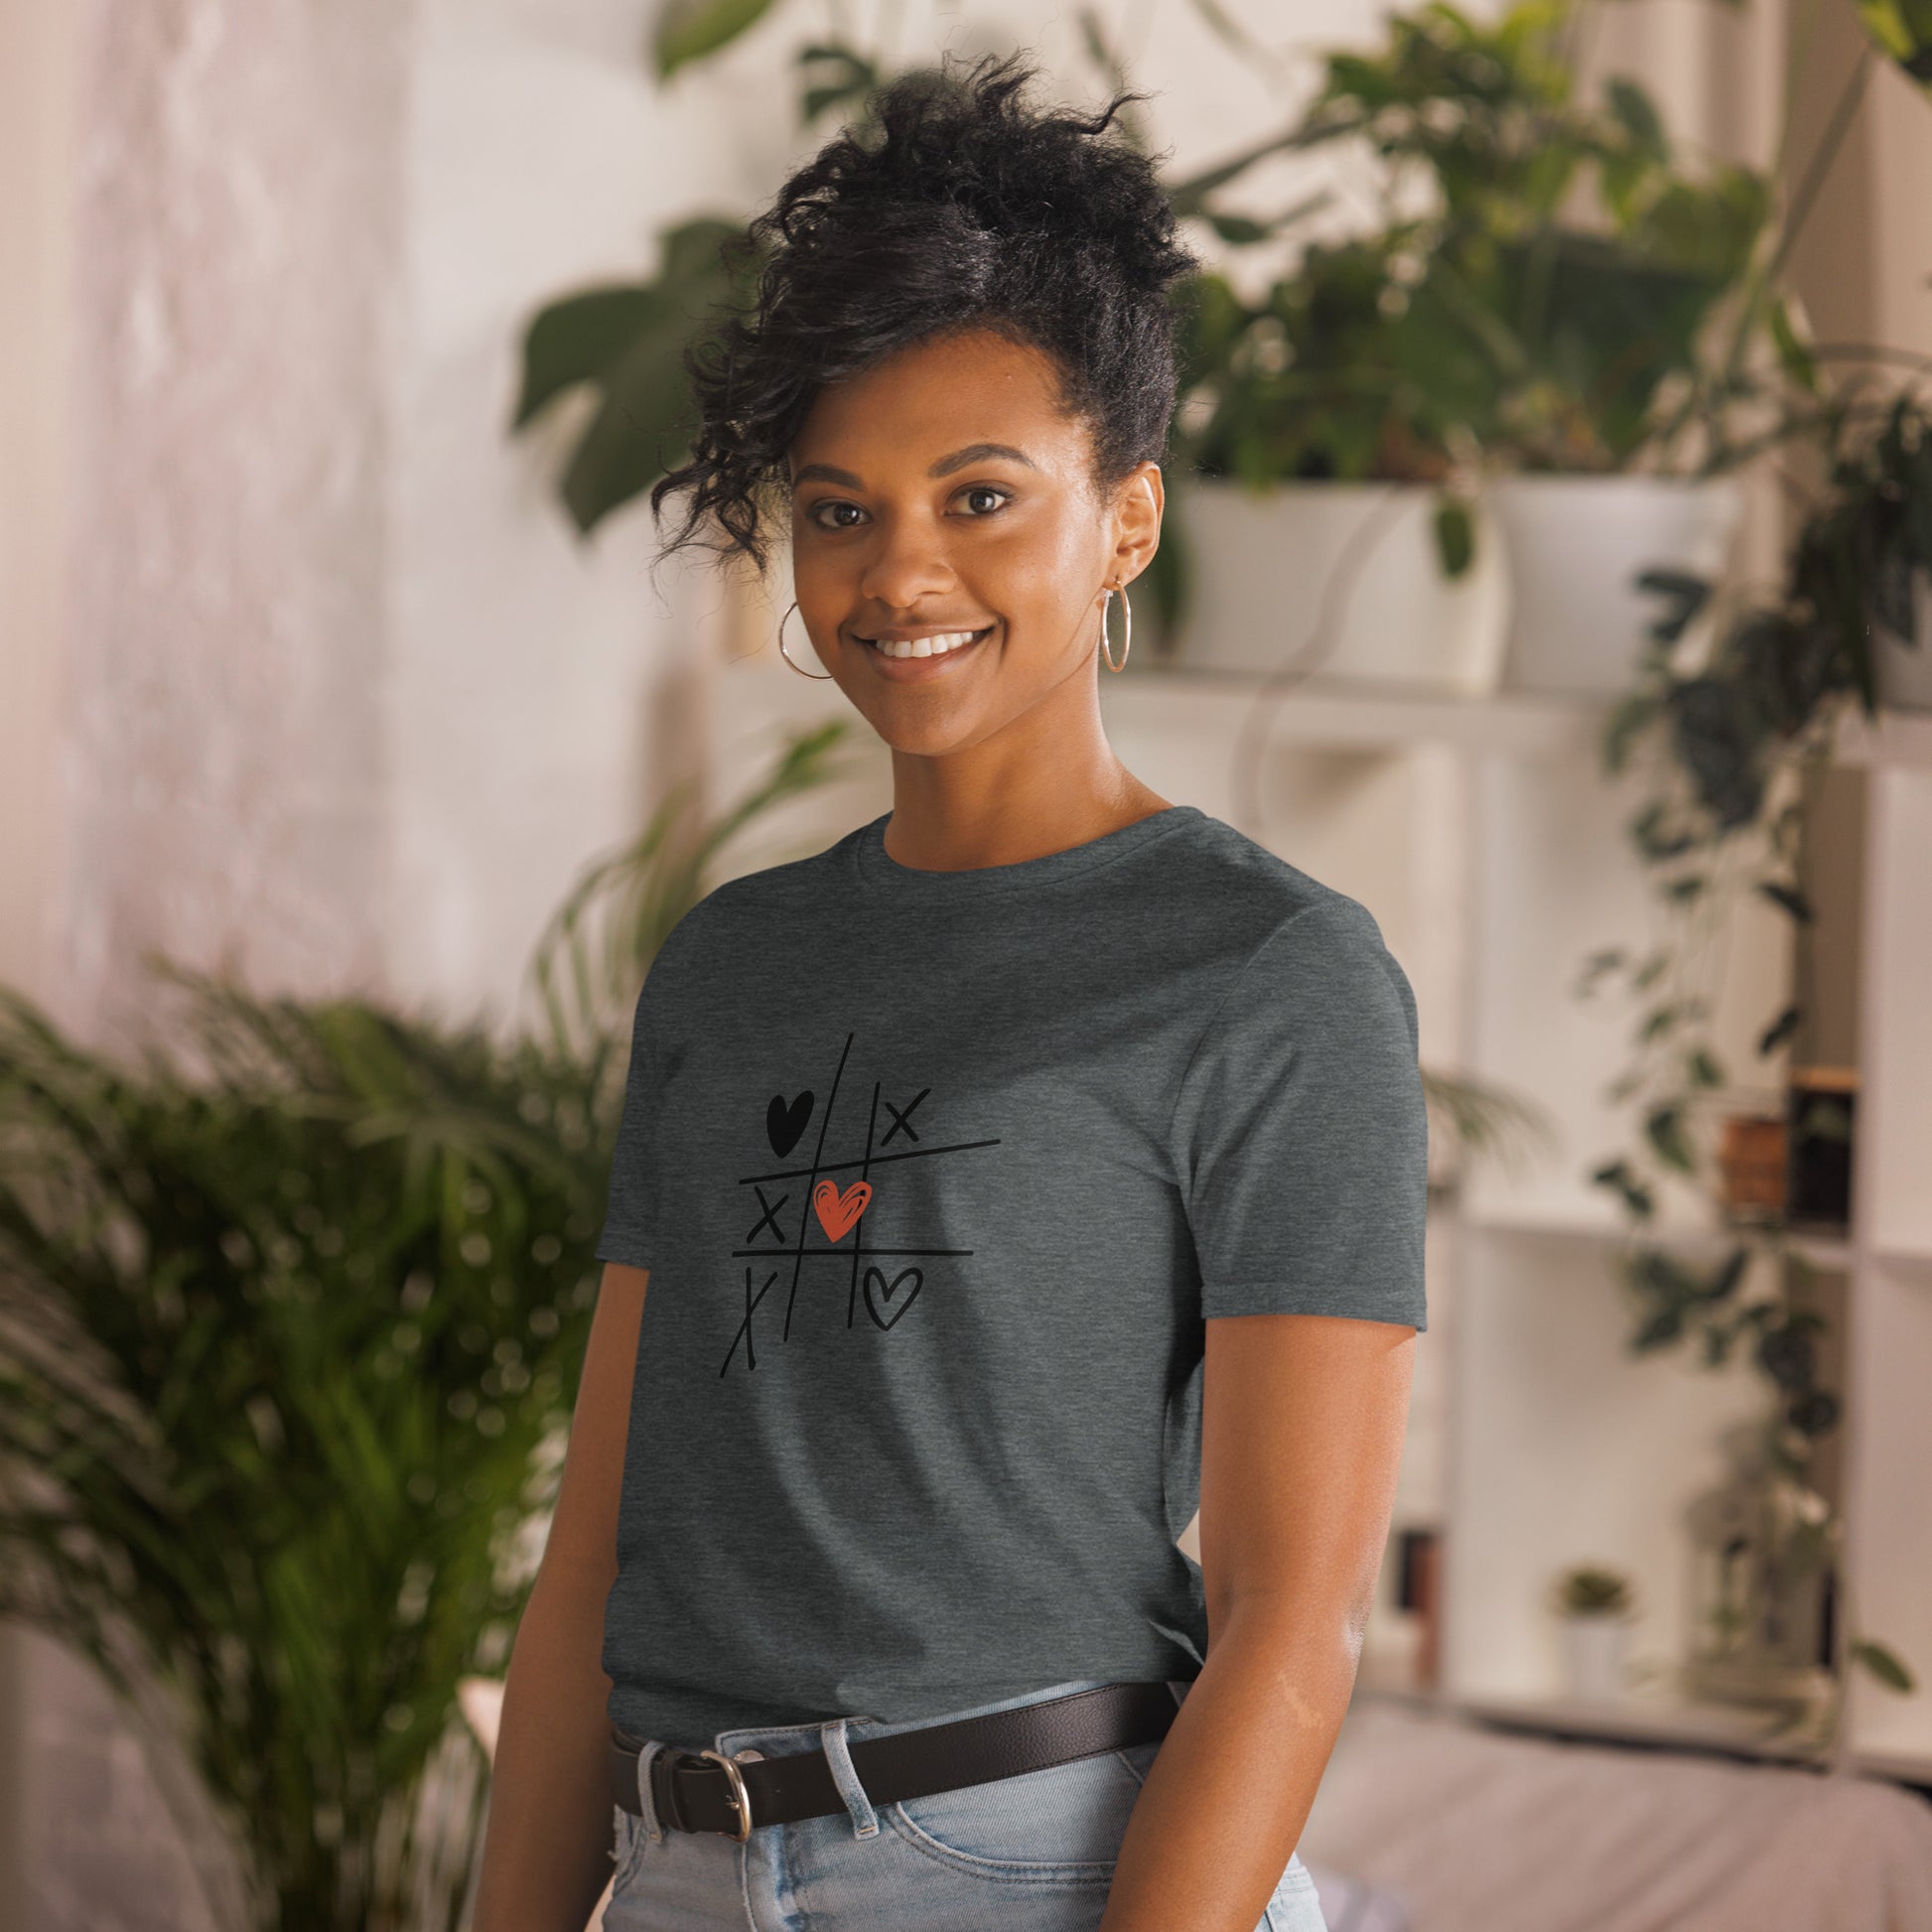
x: 883, y: 1278
x: 938, y: 1176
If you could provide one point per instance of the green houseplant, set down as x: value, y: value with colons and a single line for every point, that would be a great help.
x: 291, y: 1317
x: 1577, y: 315
x: 1394, y: 358
x: 1503, y: 321
x: 1725, y: 744
x: 1593, y: 1590
x: 1552, y: 312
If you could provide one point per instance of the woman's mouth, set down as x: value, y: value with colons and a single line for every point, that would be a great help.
x: 921, y: 653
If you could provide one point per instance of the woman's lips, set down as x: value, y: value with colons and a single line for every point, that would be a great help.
x: 906, y: 670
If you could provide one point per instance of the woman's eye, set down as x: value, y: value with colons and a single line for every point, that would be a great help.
x: 820, y: 514
x: 972, y: 496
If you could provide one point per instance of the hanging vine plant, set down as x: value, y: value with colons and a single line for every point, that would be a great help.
x: 1729, y: 746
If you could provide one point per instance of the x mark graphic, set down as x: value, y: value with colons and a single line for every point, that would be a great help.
x: 902, y: 1121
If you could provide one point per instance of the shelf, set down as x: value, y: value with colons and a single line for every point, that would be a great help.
x: 1820, y: 1250
x: 1732, y: 1730
x: 1657, y: 1723
x: 1834, y: 1252
x: 1349, y: 714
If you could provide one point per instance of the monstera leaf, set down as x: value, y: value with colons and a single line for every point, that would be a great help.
x: 689, y: 30
x: 627, y: 342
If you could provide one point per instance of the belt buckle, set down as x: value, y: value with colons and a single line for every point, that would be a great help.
x: 741, y: 1799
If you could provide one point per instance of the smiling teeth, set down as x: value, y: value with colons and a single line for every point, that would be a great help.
x: 935, y: 646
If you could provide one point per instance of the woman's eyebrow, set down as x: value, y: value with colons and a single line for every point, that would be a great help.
x: 978, y: 452
x: 972, y: 452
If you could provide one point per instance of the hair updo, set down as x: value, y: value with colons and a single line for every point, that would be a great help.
x: 960, y: 206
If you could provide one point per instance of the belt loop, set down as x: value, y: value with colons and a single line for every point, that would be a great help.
x: 644, y: 1792
x: 838, y: 1754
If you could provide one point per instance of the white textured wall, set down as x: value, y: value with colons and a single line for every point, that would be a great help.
x: 38, y: 84
x: 238, y: 245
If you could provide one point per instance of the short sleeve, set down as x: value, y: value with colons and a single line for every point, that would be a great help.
x: 630, y: 1210
x: 1300, y: 1131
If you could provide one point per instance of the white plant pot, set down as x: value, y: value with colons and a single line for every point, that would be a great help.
x: 1594, y: 1654
x: 1902, y: 672
x: 1355, y: 561
x: 1575, y: 546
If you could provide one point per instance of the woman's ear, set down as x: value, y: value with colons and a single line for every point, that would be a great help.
x: 1137, y: 506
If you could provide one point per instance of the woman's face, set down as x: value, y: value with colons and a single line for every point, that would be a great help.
x: 946, y: 495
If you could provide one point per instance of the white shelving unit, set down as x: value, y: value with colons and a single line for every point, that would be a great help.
x: 1485, y: 839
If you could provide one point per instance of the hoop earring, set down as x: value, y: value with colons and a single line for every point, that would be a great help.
x: 817, y: 676
x: 1126, y: 633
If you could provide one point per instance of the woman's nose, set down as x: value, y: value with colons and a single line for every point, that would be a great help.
x: 908, y: 563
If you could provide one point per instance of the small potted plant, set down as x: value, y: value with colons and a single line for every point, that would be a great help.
x: 1595, y: 1606
x: 1322, y: 497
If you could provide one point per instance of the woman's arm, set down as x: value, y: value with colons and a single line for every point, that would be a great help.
x: 548, y: 1839
x: 1301, y: 1427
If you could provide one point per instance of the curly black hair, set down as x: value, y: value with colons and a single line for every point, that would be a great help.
x: 959, y: 206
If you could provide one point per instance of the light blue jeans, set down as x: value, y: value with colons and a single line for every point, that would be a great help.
x: 1028, y: 1854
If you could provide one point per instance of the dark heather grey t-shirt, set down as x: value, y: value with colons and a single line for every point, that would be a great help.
x: 937, y: 1176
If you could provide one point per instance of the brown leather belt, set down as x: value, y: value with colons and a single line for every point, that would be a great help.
x: 705, y: 1791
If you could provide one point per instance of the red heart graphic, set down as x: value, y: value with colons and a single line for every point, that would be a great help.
x: 838, y: 1213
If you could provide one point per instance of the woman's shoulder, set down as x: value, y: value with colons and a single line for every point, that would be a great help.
x: 1256, y: 896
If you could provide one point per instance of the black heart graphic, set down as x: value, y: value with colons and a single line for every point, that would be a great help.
x: 784, y: 1123
x: 876, y: 1275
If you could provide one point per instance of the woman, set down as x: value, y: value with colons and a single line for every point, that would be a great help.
x: 1038, y: 1160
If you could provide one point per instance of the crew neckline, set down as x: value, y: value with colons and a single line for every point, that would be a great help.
x: 881, y: 871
